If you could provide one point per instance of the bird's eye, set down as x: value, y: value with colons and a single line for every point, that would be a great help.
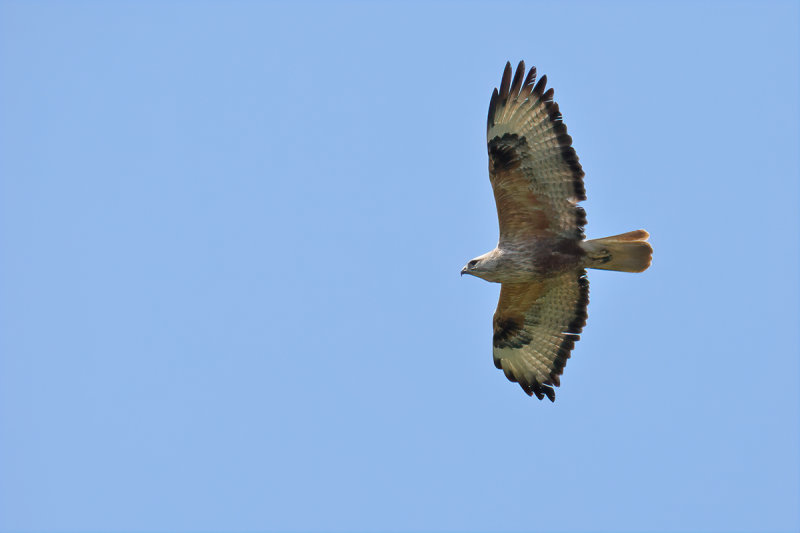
x: 472, y: 263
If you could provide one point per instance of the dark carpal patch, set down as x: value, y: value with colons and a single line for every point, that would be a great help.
x: 505, y: 152
x: 505, y: 331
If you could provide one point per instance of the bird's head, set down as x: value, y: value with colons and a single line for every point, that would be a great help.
x: 480, y: 267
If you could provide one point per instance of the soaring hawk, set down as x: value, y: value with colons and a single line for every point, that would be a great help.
x: 542, y: 255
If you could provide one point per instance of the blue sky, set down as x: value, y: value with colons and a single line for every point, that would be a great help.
x: 231, y: 235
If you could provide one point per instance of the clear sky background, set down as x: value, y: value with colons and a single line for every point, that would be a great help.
x: 231, y: 236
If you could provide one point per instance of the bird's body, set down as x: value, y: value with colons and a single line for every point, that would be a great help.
x: 530, y: 260
x: 541, y: 255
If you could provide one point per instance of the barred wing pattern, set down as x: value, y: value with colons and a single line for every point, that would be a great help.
x: 536, y: 326
x: 535, y: 173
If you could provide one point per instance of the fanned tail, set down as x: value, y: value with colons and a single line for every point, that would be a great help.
x: 627, y: 252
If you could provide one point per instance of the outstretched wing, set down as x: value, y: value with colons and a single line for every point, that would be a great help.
x: 535, y: 173
x: 536, y: 326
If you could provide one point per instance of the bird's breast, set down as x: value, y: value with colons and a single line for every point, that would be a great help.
x: 533, y: 260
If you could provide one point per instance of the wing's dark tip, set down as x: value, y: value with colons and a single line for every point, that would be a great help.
x: 551, y: 394
x: 554, y: 113
x: 517, y: 83
x: 492, y: 111
x: 539, y: 390
x: 530, y: 78
x: 505, y: 83
x: 530, y: 385
x: 538, y: 89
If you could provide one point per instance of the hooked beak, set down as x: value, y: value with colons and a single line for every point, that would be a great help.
x: 463, y: 271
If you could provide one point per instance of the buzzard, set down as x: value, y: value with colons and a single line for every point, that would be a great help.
x: 542, y: 255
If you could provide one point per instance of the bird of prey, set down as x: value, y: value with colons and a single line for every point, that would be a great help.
x: 542, y: 255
